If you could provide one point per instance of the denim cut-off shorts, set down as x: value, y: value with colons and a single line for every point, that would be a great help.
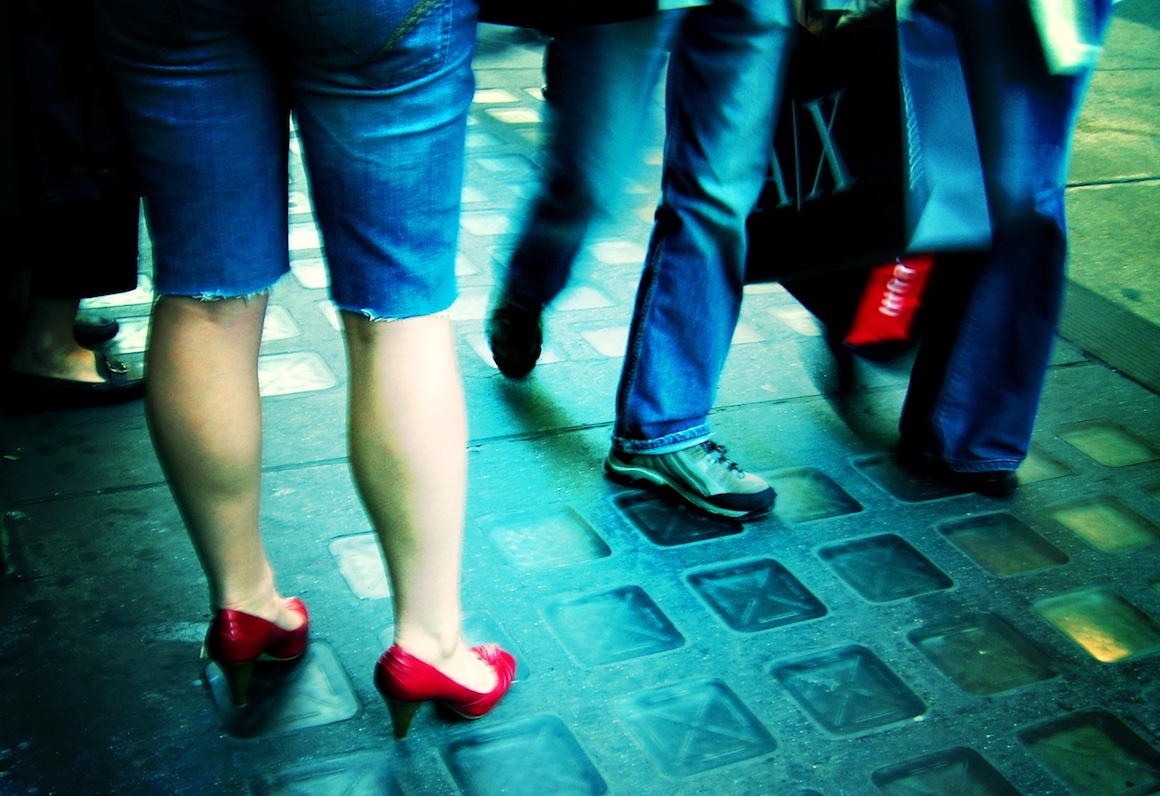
x: 379, y: 90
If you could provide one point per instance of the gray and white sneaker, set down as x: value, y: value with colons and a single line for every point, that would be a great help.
x: 702, y: 474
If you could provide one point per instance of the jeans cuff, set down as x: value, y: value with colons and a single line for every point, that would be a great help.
x: 678, y: 440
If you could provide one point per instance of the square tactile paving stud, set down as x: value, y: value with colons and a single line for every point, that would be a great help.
x: 580, y: 298
x: 848, y: 691
x: 884, y: 568
x: 310, y: 272
x: 1106, y: 524
x: 544, y: 537
x: 668, y: 524
x: 609, y: 341
x: 485, y: 222
x: 1041, y: 466
x: 285, y: 697
x: 805, y: 494
x: 693, y: 727
x: 1095, y: 754
x: 304, y: 235
x: 302, y: 371
x: 619, y: 252
x: 1002, y: 544
x: 511, y: 167
x: 279, y: 324
x: 515, y: 115
x: 798, y: 319
x: 299, y: 203
x: 1108, y: 443
x: 494, y: 96
x: 1104, y: 624
x: 883, y: 471
x: 550, y: 355
x: 357, y: 774
x: 360, y: 561
x: 612, y: 626
x: 532, y: 757
x: 330, y: 312
x: 959, y: 770
x: 983, y: 654
x: 755, y: 595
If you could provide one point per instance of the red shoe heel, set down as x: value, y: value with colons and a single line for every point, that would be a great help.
x: 405, y: 681
x: 237, y: 640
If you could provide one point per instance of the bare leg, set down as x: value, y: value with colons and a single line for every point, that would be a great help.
x: 205, y: 415
x: 408, y: 444
x: 47, y: 347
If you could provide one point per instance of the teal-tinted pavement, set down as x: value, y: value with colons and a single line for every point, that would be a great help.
x: 872, y: 636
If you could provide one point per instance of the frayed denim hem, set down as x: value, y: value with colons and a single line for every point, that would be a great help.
x: 375, y: 317
x: 212, y: 296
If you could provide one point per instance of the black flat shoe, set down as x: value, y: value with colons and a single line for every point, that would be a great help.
x: 93, y: 330
x: 991, y: 483
x: 515, y: 336
x: 27, y: 392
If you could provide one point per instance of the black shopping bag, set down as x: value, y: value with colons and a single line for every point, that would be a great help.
x: 872, y: 158
x: 552, y: 15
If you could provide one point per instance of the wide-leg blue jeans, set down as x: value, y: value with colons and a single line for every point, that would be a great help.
x: 979, y: 374
x: 725, y: 74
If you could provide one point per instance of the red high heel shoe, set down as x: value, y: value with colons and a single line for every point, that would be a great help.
x: 236, y: 640
x: 405, y: 682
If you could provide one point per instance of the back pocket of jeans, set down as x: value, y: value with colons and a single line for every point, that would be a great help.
x: 385, y: 42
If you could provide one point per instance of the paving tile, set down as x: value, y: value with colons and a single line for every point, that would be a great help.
x: 884, y: 568
x: 805, y: 494
x: 1002, y: 544
x: 983, y: 654
x: 1104, y: 522
x: 667, y: 526
x: 755, y: 595
x: 959, y: 770
x: 611, y: 626
x: 545, y: 537
x: 287, y: 697
x: 1102, y: 622
x: 482, y: 763
x: 1108, y: 443
x: 357, y: 774
x: 693, y: 727
x: 849, y: 691
x: 1094, y: 752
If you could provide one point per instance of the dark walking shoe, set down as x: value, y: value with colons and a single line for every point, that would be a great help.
x: 702, y: 475
x: 515, y: 336
x: 991, y: 483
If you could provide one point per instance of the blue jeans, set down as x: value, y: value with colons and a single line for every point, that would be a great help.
x: 977, y: 380
x: 380, y: 90
x: 725, y: 74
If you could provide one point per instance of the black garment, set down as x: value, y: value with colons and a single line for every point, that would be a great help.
x: 68, y: 200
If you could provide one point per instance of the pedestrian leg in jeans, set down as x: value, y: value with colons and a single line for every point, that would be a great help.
x: 725, y: 78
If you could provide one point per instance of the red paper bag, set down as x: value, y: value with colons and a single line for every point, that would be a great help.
x: 890, y: 301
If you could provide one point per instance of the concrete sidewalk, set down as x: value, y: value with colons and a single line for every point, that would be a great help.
x: 874, y: 635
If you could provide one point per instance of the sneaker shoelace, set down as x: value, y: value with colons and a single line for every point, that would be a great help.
x: 713, y: 449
